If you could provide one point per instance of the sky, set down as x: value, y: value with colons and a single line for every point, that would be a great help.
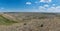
x: 29, y: 5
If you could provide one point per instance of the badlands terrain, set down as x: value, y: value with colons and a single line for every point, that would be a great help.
x: 29, y: 21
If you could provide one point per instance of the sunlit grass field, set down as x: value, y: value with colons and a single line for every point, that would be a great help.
x: 5, y: 21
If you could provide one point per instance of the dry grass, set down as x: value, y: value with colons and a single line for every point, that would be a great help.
x: 33, y: 22
x: 5, y: 21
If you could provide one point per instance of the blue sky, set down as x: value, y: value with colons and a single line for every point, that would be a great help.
x: 29, y: 5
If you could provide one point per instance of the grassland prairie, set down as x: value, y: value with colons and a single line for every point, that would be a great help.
x: 27, y: 21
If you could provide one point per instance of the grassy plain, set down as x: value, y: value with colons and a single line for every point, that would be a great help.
x: 29, y: 21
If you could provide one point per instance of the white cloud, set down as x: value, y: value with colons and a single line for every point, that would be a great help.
x: 58, y: 7
x: 55, y: 9
x: 46, y: 5
x: 51, y: 9
x: 42, y: 9
x: 53, y: 4
x: 45, y: 1
x: 36, y: 2
x: 29, y: 3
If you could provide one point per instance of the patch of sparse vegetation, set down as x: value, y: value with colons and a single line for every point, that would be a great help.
x: 5, y: 21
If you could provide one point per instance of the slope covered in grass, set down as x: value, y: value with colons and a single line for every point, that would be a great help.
x: 5, y: 21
